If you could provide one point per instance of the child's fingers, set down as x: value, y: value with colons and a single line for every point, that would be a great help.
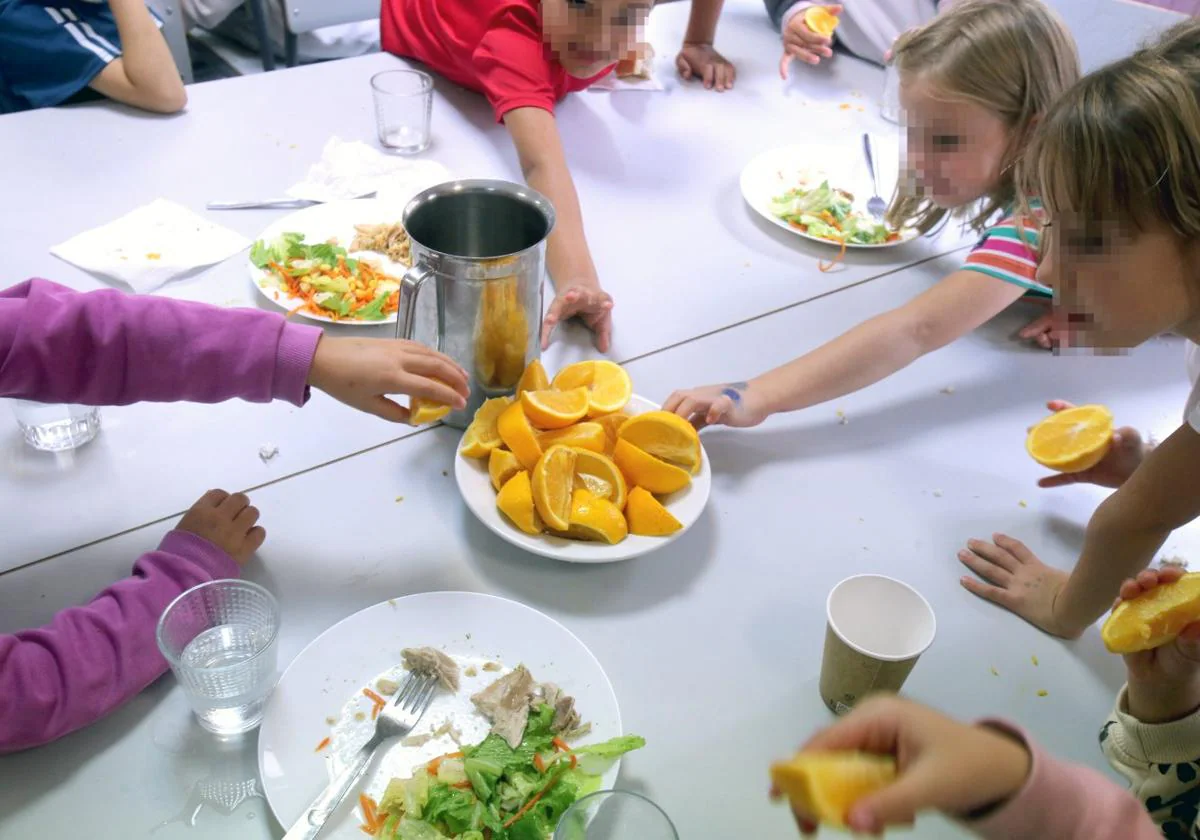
x: 1170, y: 572
x: 435, y: 391
x: 1059, y: 405
x: 1148, y: 579
x: 673, y: 402
x: 785, y: 62
x: 1014, y: 548
x: 709, y: 76
x: 212, y: 498
x: 1130, y: 589
x: 684, y: 68
x: 995, y: 594
x: 984, y: 568
x: 388, y: 409
x: 603, y: 328
x: 234, y: 505
x: 255, y: 537
x: 1059, y: 480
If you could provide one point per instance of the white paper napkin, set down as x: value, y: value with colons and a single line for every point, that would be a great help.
x: 151, y: 245
x: 350, y: 169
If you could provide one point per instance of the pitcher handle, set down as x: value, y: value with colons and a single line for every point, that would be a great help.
x: 410, y: 286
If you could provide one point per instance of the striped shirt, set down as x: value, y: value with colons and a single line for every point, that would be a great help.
x: 1009, y: 251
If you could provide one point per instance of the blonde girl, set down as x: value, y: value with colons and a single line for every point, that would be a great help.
x: 973, y: 82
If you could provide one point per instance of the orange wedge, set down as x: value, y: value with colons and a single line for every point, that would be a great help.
x: 502, y: 465
x: 820, y: 20
x: 514, y: 429
x: 612, y: 424
x: 553, y: 479
x: 608, y: 385
x: 642, y: 469
x: 585, y: 435
x: 1153, y: 618
x: 666, y: 436
x: 1073, y: 440
x: 825, y: 786
x: 533, y: 379
x: 515, y: 500
x: 595, y: 520
x: 600, y: 476
x: 647, y: 517
x: 482, y: 435
x: 555, y: 409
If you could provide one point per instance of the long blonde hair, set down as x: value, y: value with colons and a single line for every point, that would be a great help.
x: 1012, y: 57
x: 1123, y: 145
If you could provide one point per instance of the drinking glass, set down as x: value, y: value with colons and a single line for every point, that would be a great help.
x: 889, y: 107
x: 615, y: 815
x: 56, y: 428
x: 403, y: 106
x: 220, y: 640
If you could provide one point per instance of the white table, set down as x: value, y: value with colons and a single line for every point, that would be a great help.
x: 657, y: 173
x: 728, y: 618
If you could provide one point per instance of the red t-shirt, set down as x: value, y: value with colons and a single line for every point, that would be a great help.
x: 491, y: 46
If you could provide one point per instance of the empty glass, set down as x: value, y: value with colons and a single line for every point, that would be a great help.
x: 615, y: 815
x: 56, y: 427
x: 403, y: 106
x: 889, y: 107
x: 220, y: 640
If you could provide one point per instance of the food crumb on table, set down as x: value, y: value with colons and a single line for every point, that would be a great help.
x: 842, y: 418
x: 995, y: 673
x: 493, y: 666
x: 949, y: 389
x: 937, y: 494
x: 445, y: 474
x: 392, y: 602
x: 399, y: 499
x: 1043, y: 693
x: 267, y: 451
x: 1034, y: 659
x: 1022, y: 503
x: 471, y: 671
x: 331, y: 720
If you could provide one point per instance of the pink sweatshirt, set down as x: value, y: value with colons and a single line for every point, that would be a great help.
x: 108, y: 348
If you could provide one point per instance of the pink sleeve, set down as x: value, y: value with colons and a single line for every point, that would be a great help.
x: 89, y: 660
x: 109, y: 348
x: 1064, y: 801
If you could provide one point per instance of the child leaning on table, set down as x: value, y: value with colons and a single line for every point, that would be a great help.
x: 524, y: 56
x: 973, y: 84
x: 107, y: 348
x: 1117, y: 164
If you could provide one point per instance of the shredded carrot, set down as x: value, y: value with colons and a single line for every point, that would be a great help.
x: 528, y: 805
x: 432, y: 767
x: 375, y: 712
x: 365, y: 830
x: 462, y: 785
x: 538, y: 763
x: 370, y: 812
x: 324, y: 743
x: 561, y: 745
x: 827, y: 266
x: 375, y: 698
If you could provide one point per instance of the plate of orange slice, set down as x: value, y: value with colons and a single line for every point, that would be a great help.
x: 580, y: 469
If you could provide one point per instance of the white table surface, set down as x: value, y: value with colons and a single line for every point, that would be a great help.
x: 713, y: 644
x: 658, y: 176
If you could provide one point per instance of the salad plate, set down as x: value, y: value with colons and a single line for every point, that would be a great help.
x: 319, y: 714
x: 824, y: 202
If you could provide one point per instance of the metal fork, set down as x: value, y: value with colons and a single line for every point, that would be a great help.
x: 395, y: 720
x: 875, y: 206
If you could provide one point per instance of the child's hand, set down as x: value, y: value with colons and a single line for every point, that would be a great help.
x: 228, y: 522
x: 361, y: 372
x: 706, y: 64
x: 736, y: 404
x: 590, y: 304
x: 1124, y: 456
x: 1044, y: 332
x: 1164, y: 683
x: 1014, y: 578
x: 943, y: 764
x: 802, y: 43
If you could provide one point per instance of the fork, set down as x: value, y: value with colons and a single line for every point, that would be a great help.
x: 255, y: 204
x: 875, y: 206
x: 395, y: 720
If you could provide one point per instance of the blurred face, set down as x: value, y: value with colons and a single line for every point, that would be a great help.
x: 955, y: 149
x: 585, y: 36
x: 1116, y: 289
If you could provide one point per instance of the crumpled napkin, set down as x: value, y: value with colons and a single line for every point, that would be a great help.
x: 151, y: 245
x: 351, y: 169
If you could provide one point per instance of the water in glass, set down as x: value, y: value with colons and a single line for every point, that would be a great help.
x: 56, y: 428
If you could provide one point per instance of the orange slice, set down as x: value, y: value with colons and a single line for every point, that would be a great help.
x: 609, y: 387
x: 553, y: 479
x: 482, y: 435
x: 600, y: 476
x: 533, y: 379
x: 1073, y: 440
x: 595, y: 520
x: 555, y: 409
x: 647, y: 517
x: 1153, y: 618
x: 612, y: 424
x: 502, y: 465
x: 515, y: 500
x: 421, y: 412
x: 514, y: 429
x: 585, y: 435
x: 642, y: 469
x: 820, y: 20
x: 826, y: 785
x: 666, y: 436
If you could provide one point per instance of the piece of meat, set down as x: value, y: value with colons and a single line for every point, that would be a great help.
x: 565, y: 716
x: 427, y: 660
x: 506, y: 704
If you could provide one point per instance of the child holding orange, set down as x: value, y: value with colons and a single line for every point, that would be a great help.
x: 973, y: 82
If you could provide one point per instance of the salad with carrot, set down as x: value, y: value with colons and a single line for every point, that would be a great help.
x: 492, y: 791
x: 828, y: 213
x: 325, y: 279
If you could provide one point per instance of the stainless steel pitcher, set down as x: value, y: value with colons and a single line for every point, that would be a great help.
x: 483, y: 244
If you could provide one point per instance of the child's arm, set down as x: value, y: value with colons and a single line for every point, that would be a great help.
x: 577, y: 286
x: 145, y: 75
x: 90, y: 660
x: 866, y: 354
x: 697, y: 57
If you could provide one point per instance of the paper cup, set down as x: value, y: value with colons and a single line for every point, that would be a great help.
x: 877, y: 628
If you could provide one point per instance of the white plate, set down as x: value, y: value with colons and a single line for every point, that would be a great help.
x: 319, y: 223
x: 327, y: 678
x: 776, y: 171
x: 475, y: 485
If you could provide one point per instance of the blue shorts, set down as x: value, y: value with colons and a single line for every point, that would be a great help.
x: 52, y: 49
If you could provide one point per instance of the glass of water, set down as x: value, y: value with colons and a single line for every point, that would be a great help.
x: 220, y: 640
x: 403, y: 106
x: 615, y: 815
x: 56, y: 428
x: 889, y: 107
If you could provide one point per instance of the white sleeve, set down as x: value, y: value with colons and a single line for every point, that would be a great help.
x: 209, y: 14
